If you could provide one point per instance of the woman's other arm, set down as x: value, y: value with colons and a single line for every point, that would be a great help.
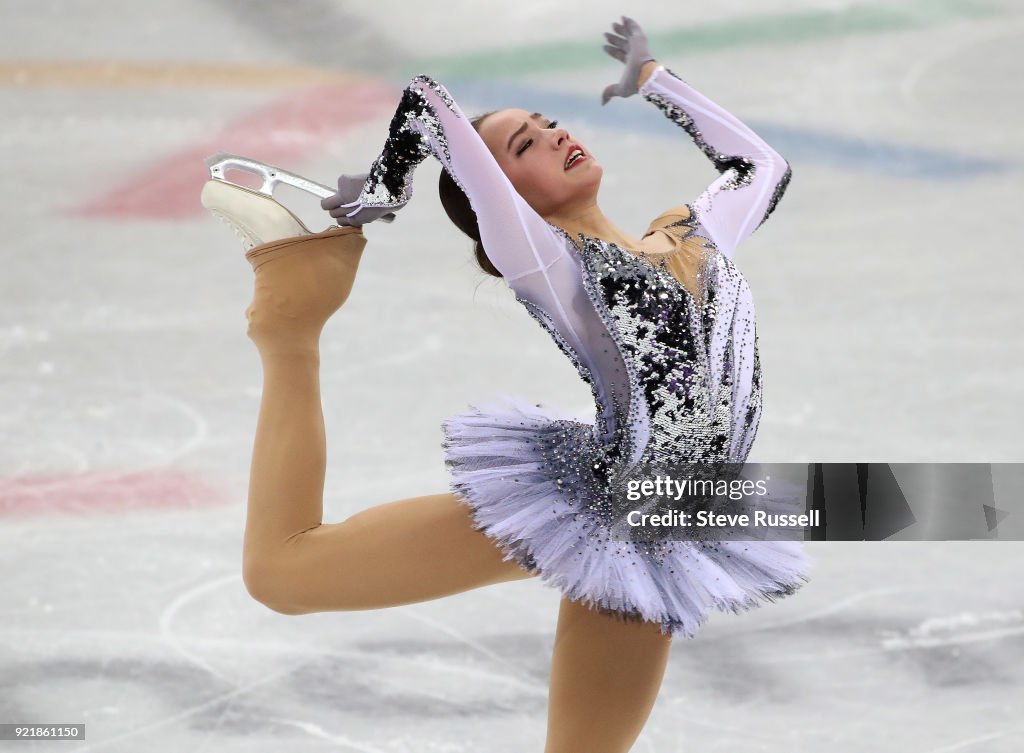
x: 753, y: 175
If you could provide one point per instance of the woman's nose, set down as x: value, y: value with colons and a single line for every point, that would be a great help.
x: 560, y: 137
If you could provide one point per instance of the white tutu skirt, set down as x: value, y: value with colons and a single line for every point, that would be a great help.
x: 494, y: 454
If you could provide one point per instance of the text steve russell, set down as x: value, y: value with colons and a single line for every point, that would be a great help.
x: 708, y: 519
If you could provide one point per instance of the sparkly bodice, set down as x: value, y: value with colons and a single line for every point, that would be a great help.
x: 676, y: 403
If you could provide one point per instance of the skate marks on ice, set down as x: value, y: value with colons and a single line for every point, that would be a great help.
x: 285, y: 682
x: 957, y: 629
x: 325, y: 689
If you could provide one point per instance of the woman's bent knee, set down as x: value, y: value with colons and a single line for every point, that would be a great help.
x: 264, y: 586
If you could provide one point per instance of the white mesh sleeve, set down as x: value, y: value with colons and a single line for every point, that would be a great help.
x: 530, y: 254
x: 753, y: 175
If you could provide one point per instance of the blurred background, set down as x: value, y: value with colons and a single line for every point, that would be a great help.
x: 887, y: 285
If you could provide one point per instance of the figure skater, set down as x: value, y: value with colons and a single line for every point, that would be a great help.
x: 661, y: 327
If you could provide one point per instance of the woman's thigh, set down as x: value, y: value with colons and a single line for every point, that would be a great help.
x: 400, y: 552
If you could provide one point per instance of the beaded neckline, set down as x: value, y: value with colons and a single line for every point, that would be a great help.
x: 661, y: 264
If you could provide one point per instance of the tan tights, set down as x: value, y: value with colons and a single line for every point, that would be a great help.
x: 605, y: 672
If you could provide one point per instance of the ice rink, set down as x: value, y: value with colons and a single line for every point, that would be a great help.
x: 888, y: 291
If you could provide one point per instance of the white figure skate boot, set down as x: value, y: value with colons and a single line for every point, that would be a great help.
x: 301, y: 277
x: 254, y: 215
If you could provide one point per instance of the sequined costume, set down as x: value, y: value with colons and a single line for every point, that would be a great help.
x: 674, y: 371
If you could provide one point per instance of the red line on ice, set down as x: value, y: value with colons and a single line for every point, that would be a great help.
x: 109, y: 491
x: 282, y: 133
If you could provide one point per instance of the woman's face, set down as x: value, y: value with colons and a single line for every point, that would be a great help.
x: 534, y: 152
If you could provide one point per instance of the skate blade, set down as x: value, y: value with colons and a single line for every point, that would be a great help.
x: 218, y: 164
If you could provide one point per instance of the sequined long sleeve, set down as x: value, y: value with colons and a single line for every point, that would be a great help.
x: 753, y: 175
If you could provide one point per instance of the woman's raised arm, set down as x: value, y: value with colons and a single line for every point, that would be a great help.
x: 429, y: 121
x: 530, y: 254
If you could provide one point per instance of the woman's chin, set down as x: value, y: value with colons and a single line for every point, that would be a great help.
x: 590, y: 176
x: 588, y: 165
x: 587, y: 171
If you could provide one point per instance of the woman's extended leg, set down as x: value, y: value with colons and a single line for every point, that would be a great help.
x: 605, y: 676
x: 396, y: 553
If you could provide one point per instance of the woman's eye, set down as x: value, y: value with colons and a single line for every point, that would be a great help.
x: 528, y: 142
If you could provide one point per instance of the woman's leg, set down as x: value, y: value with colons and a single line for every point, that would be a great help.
x: 396, y: 553
x: 605, y: 676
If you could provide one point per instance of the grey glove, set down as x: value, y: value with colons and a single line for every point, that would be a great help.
x: 346, y: 208
x: 628, y: 46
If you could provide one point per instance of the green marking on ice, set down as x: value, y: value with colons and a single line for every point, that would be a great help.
x: 763, y: 29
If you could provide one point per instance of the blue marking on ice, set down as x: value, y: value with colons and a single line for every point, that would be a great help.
x: 796, y: 144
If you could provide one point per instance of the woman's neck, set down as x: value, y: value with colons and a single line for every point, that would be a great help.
x: 591, y: 221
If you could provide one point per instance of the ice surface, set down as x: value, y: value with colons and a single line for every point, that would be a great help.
x: 888, y: 292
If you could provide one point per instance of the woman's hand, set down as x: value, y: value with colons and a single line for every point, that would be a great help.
x: 629, y: 46
x: 345, y: 207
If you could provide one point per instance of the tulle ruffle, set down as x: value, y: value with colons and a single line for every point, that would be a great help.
x: 497, y: 468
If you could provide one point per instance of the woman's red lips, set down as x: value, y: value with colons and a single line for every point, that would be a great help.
x: 572, y: 149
